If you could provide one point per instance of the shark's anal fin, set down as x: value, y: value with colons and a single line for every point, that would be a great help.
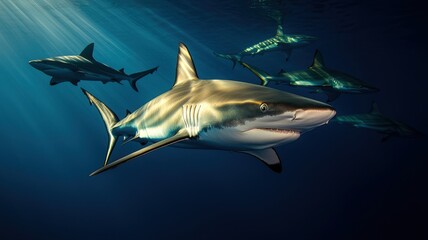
x: 180, y: 136
x: 267, y: 156
x: 88, y: 52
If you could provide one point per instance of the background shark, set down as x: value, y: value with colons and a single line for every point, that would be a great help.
x: 279, y: 42
x: 331, y: 82
x: 84, y: 67
x: 215, y: 114
x: 375, y: 120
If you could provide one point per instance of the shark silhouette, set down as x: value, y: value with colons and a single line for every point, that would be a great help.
x: 84, y: 67
x: 317, y: 76
x: 279, y: 42
x: 214, y: 114
x: 380, y: 123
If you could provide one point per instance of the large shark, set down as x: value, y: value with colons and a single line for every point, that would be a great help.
x: 279, y: 42
x: 377, y: 121
x: 317, y: 76
x: 84, y: 67
x: 214, y: 114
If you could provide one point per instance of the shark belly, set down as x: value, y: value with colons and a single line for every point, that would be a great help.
x: 236, y: 140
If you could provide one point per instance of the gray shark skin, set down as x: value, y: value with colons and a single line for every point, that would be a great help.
x: 214, y: 114
x: 84, y: 67
x: 317, y: 76
x: 380, y: 123
x: 279, y: 42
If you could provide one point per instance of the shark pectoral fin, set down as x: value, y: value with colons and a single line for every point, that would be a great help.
x: 267, y: 156
x: 180, y: 136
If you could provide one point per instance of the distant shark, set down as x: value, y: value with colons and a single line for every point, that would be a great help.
x: 317, y: 76
x: 214, y: 114
x: 279, y: 42
x: 375, y: 120
x: 84, y: 67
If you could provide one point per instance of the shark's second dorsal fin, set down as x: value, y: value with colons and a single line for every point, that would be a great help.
x: 185, y: 68
x: 375, y: 108
x: 318, y: 60
x: 88, y: 52
x: 122, y: 70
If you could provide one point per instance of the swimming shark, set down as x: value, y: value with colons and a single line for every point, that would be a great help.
x: 84, y: 67
x: 317, y: 76
x: 377, y: 121
x: 279, y: 42
x: 214, y: 114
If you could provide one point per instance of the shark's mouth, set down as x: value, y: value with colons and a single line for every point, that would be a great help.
x: 277, y: 130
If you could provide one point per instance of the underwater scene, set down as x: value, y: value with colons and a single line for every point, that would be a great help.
x: 247, y: 119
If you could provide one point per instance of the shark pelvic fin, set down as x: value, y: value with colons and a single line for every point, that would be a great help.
x: 318, y: 61
x: 109, y: 118
x: 269, y: 157
x: 180, y: 136
x: 258, y: 72
x: 88, y: 52
x: 186, y: 70
x: 56, y: 80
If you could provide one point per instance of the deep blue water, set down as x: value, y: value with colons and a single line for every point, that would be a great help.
x: 338, y: 182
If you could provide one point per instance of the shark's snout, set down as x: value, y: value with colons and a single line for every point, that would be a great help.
x: 311, y: 118
x: 38, y: 64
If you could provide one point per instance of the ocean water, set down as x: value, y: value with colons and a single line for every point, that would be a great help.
x: 338, y: 182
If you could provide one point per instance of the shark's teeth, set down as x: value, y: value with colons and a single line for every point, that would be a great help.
x: 191, y: 116
x: 276, y: 130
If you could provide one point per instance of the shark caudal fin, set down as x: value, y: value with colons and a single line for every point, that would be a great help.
x: 109, y: 118
x: 264, y: 76
x: 136, y: 76
x: 232, y: 57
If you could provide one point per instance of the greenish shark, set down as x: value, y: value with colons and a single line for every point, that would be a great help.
x: 214, y: 114
x: 317, y: 76
x: 378, y: 122
x: 84, y: 67
x: 279, y: 42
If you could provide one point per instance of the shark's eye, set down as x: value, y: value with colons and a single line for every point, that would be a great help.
x: 264, y: 107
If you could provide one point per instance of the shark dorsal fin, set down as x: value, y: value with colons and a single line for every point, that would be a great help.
x: 318, y: 60
x: 279, y: 31
x: 122, y: 70
x: 375, y: 108
x: 185, y: 68
x: 88, y: 52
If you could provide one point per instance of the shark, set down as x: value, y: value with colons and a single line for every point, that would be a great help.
x: 378, y: 122
x: 279, y: 42
x: 316, y: 76
x: 214, y: 114
x: 84, y: 67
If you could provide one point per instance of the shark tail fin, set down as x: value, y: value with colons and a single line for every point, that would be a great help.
x: 136, y: 76
x: 109, y: 118
x: 264, y: 76
x: 235, y: 58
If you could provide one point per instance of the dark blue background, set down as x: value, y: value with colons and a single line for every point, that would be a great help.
x: 338, y: 182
